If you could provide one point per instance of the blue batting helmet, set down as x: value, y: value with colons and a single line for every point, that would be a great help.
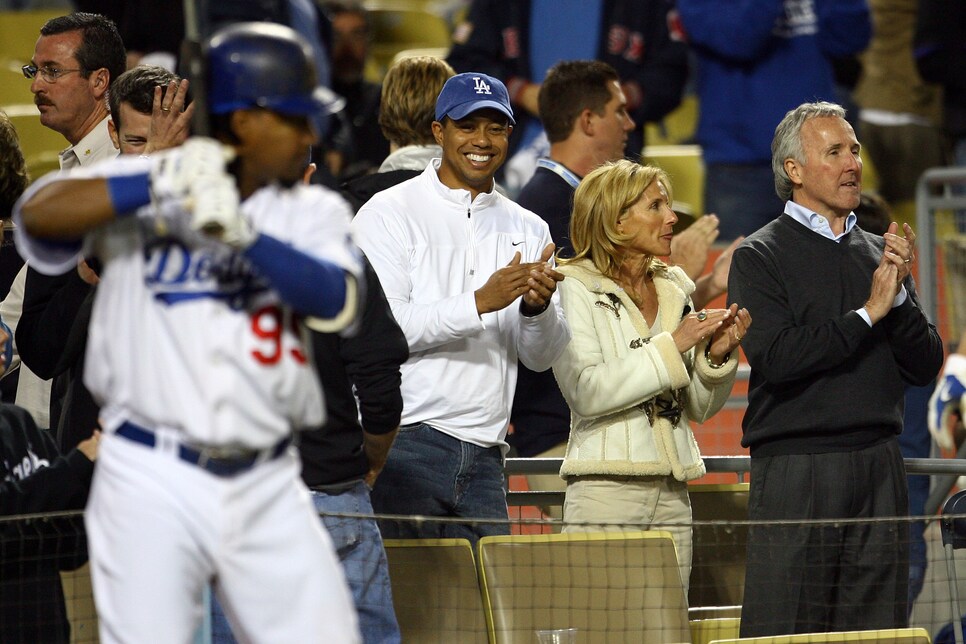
x: 262, y: 64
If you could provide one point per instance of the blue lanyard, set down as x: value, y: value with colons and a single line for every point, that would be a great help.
x: 560, y: 170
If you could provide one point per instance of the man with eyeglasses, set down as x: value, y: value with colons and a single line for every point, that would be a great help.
x: 75, y: 60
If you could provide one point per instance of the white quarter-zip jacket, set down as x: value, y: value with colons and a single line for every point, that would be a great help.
x: 432, y: 247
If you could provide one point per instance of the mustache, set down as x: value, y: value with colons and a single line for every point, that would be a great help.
x: 38, y: 101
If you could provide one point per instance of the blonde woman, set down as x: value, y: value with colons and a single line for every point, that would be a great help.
x: 642, y: 364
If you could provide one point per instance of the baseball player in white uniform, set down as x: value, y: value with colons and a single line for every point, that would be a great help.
x: 195, y: 356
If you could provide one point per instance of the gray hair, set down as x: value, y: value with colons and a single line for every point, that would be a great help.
x: 787, y: 143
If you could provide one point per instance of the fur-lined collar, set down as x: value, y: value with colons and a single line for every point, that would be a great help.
x: 673, y: 287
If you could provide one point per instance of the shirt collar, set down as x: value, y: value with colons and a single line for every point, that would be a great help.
x: 459, y: 195
x: 94, y: 147
x: 817, y: 223
x: 561, y: 170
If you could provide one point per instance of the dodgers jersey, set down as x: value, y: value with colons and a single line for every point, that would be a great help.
x: 184, y: 333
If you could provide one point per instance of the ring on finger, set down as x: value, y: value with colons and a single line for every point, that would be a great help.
x: 907, y: 260
x: 737, y: 335
x: 165, y: 109
x: 702, y: 315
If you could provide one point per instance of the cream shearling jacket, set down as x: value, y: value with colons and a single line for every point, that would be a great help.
x: 613, y: 365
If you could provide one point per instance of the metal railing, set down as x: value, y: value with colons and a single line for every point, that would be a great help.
x: 934, y: 192
x: 944, y: 471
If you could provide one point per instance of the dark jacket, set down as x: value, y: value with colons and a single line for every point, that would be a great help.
x: 33, y: 551
x: 540, y: 415
x: 366, y: 366
x: 52, y: 341
x: 360, y: 190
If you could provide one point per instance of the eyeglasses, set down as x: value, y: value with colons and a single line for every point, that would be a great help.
x: 49, y: 74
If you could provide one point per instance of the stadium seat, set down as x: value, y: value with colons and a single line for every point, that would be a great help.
x: 676, y: 128
x: 40, y: 144
x: 79, y: 597
x: 14, y: 88
x: 719, y: 551
x: 19, y: 31
x: 40, y: 164
x: 435, y: 591
x: 704, y: 631
x: 612, y: 587
x: 396, y: 26
x: 713, y: 612
x: 883, y: 636
x: 685, y: 165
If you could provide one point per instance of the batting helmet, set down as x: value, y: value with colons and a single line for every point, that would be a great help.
x: 262, y: 64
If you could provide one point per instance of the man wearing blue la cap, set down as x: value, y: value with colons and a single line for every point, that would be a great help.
x: 469, y: 277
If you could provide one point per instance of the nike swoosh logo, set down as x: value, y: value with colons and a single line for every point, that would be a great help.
x: 517, y: 243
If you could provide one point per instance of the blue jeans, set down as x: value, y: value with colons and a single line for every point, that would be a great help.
x: 743, y: 196
x: 430, y: 473
x: 359, y: 546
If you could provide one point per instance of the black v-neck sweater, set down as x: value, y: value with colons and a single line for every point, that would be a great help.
x: 822, y: 380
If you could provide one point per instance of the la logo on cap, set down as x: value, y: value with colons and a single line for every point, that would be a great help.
x: 481, y: 86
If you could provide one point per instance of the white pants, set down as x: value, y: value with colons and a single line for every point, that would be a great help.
x: 161, y: 529
x: 617, y: 504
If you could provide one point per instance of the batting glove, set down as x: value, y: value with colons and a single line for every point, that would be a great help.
x: 950, y: 395
x: 175, y: 171
x: 215, y: 212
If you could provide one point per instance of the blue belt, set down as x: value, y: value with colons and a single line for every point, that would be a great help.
x: 205, y: 458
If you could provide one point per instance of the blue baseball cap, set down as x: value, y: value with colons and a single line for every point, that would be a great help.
x: 471, y: 91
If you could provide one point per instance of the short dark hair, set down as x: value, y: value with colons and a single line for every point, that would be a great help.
x: 101, y: 44
x: 13, y: 170
x: 571, y: 87
x: 136, y: 88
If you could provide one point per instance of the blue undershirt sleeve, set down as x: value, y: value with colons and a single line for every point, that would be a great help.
x: 311, y: 286
x: 129, y: 192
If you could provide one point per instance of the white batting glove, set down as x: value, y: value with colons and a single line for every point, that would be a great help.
x: 175, y: 170
x: 950, y: 394
x: 215, y: 212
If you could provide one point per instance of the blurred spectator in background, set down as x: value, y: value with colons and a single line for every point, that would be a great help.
x: 406, y: 113
x: 13, y: 181
x: 152, y: 31
x: 518, y: 41
x: 362, y: 148
x: 941, y: 58
x: 900, y: 115
x: 757, y: 59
